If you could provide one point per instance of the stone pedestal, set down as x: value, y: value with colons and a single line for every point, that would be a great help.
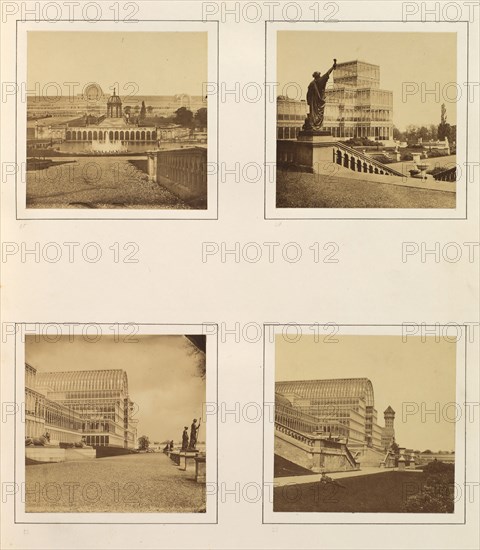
x: 152, y: 166
x: 201, y: 469
x: 187, y: 459
x: 315, y: 137
x: 401, y: 459
x: 175, y: 456
x: 314, y: 152
x: 45, y: 454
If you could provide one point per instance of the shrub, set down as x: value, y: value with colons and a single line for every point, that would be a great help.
x: 436, y: 153
x: 438, y: 491
x: 383, y: 159
x: 431, y: 499
x: 358, y: 142
x: 439, y: 467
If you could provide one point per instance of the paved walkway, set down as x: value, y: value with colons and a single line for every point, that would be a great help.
x: 312, y: 478
x: 97, y: 182
x: 405, y: 181
x: 148, y: 482
x: 304, y: 190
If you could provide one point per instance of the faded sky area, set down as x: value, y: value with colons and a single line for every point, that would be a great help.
x: 404, y: 57
x: 411, y: 372
x: 160, y: 63
x: 163, y: 372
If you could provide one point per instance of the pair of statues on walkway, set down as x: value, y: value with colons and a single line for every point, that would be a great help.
x: 190, y: 444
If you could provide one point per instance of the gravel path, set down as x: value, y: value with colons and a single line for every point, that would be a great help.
x: 97, y: 182
x: 131, y: 483
x: 304, y: 190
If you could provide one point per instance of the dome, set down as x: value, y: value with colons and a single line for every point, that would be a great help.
x: 114, y: 99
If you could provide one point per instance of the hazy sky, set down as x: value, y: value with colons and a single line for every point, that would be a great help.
x: 160, y: 63
x: 421, y: 58
x: 411, y: 372
x: 163, y: 376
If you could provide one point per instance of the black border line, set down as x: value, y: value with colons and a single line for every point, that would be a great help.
x: 298, y: 23
x: 112, y: 209
x: 465, y: 336
x: 76, y: 323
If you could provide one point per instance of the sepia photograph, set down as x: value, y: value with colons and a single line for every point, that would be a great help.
x: 366, y: 120
x: 117, y: 120
x: 365, y: 423
x: 115, y: 425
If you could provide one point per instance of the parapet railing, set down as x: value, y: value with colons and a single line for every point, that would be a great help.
x: 446, y: 175
x: 351, y: 159
x: 187, y: 167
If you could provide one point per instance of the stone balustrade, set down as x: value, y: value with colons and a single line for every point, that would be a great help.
x: 317, y: 157
x: 313, y: 452
x: 181, y: 171
x: 358, y: 162
x: 447, y: 175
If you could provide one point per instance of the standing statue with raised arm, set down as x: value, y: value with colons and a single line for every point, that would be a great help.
x: 193, y: 434
x: 316, y: 100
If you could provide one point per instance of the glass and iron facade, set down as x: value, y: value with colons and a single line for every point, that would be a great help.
x: 342, y: 408
x: 355, y: 106
x: 92, y: 404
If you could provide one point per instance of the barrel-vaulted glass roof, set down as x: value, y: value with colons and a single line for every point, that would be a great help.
x: 107, y: 379
x: 329, y: 388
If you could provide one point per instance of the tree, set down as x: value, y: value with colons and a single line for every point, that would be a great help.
x: 143, y: 443
x: 423, y: 133
x: 127, y: 110
x: 444, y: 128
x: 143, y: 111
x: 149, y: 109
x: 201, y: 118
x: 184, y: 117
x: 411, y: 133
x: 196, y: 348
x: 398, y: 135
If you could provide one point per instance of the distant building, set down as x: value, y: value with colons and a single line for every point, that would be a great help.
x: 70, y: 405
x: 103, y: 119
x: 339, y: 408
x: 355, y: 106
x: 114, y: 127
x: 92, y: 102
x: 291, y: 115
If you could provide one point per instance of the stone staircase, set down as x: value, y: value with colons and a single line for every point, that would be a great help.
x: 355, y: 161
x: 313, y: 452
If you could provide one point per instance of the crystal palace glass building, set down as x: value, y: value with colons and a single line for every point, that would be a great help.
x: 355, y: 107
x: 340, y: 408
x: 70, y: 405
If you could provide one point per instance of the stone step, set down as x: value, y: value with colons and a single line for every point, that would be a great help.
x: 447, y: 186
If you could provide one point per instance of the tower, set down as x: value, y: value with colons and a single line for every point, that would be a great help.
x: 114, y: 106
x: 388, y: 433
